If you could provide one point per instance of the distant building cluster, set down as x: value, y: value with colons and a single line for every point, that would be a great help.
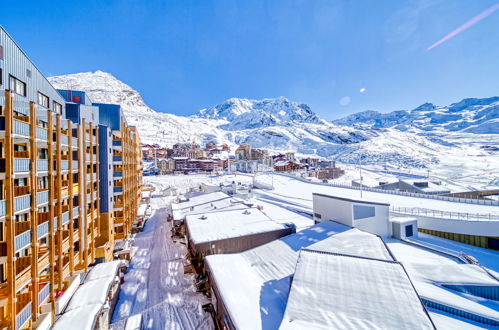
x: 185, y: 158
x: 192, y: 158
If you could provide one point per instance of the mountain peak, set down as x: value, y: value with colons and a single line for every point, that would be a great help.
x: 247, y: 113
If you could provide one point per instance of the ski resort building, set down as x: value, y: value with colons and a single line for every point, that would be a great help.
x: 50, y: 206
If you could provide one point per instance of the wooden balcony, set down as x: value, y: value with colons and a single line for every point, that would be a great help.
x: 24, y: 308
x: 23, y: 271
x: 76, y: 235
x: 21, y: 190
x: 43, y: 259
x: 76, y: 258
x: 76, y: 188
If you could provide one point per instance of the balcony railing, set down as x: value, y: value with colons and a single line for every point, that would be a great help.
x: 42, y: 229
x: 64, y: 165
x: 2, y: 208
x: 21, y: 165
x: 74, y: 142
x: 117, y: 143
x: 42, y: 134
x: 117, y: 159
x: 118, y: 189
x: 64, y: 140
x: 22, y: 203
x: 75, y: 212
x: 118, y: 174
x: 42, y: 197
x: 65, y: 218
x: 43, y: 294
x: 42, y: 165
x: 56, y: 222
x: 23, y: 316
x: 21, y: 128
x: 22, y: 240
x: 74, y: 164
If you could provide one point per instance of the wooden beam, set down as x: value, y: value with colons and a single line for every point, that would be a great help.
x: 9, y: 211
x: 33, y: 151
x: 51, y: 211
x: 58, y: 187
x: 71, y: 192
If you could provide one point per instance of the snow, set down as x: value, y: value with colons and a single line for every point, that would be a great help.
x: 254, y: 284
x: 221, y: 225
x: 155, y: 285
x: 446, y: 140
x: 429, y: 271
x: 91, y: 292
x: 83, y: 318
x: 356, y: 297
x: 104, y: 270
x: 443, y: 321
x: 296, y: 192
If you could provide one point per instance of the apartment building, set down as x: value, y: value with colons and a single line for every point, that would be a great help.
x: 50, y: 225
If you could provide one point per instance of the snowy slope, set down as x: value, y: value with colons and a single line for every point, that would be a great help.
x: 426, y: 137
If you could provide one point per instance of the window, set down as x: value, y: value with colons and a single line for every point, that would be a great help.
x: 57, y: 108
x: 362, y: 212
x: 43, y: 100
x: 1, y: 76
x: 17, y: 86
x: 408, y: 231
x: 317, y: 215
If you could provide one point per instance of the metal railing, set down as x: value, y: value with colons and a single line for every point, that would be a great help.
x: 64, y: 165
x: 65, y: 218
x: 42, y: 165
x: 2, y: 208
x: 42, y: 229
x: 75, y: 212
x: 118, y: 174
x: 56, y: 222
x: 22, y: 203
x: 42, y: 133
x: 117, y: 159
x: 22, y: 240
x: 392, y: 192
x: 74, y: 164
x: 43, y: 294
x: 21, y: 165
x: 117, y: 143
x: 42, y: 197
x: 64, y: 140
x: 21, y: 128
x: 430, y: 213
x: 74, y: 141
x: 23, y: 316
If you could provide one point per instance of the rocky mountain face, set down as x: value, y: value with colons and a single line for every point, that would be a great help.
x: 407, y: 138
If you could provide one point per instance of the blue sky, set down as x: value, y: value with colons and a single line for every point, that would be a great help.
x: 186, y: 55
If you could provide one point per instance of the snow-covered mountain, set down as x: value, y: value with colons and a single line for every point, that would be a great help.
x: 421, y: 138
x: 471, y: 115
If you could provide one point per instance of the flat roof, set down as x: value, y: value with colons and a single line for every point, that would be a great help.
x: 254, y: 284
x: 350, y: 200
x: 335, y: 291
x: 206, y: 203
x: 220, y: 225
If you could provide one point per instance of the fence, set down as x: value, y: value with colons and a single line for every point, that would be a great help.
x: 423, y: 212
x: 394, y: 192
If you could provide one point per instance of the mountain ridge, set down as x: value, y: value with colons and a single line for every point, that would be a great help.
x: 404, y: 138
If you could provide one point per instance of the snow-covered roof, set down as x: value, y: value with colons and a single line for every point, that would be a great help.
x: 206, y: 203
x: 83, y: 318
x: 91, y: 292
x: 333, y: 291
x: 254, y: 284
x: 228, y: 224
x: 104, y: 270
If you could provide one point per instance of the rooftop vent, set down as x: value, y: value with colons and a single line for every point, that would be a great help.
x: 203, y: 217
x: 246, y: 212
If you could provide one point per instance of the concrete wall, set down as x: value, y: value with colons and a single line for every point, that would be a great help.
x: 367, y: 216
x: 467, y: 227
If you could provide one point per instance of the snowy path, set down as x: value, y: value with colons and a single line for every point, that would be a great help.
x: 155, y: 285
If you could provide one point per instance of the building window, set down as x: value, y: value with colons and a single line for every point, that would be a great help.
x: 57, y: 108
x: 17, y: 86
x: 317, y: 215
x: 43, y: 100
x: 363, y: 212
x: 408, y: 231
x: 1, y: 76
